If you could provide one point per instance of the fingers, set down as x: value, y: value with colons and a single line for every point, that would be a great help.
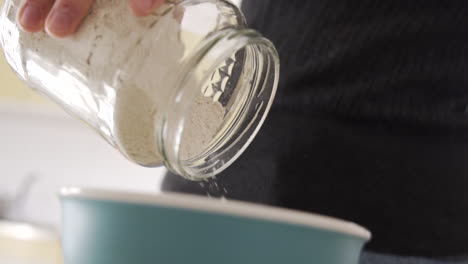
x: 32, y: 14
x: 61, y: 18
x: 144, y: 7
x: 65, y: 16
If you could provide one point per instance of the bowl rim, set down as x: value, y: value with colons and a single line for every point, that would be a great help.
x: 220, y: 206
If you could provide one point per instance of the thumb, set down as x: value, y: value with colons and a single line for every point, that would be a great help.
x: 144, y: 7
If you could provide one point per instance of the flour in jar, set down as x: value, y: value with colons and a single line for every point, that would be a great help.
x: 134, y: 118
x: 126, y: 103
x: 201, y: 125
x: 138, y: 103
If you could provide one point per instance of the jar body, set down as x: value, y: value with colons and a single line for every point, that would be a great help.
x: 124, y: 76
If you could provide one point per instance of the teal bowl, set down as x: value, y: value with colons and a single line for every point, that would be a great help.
x: 104, y: 227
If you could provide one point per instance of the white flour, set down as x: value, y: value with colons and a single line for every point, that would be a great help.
x: 122, y: 104
x: 136, y: 131
x: 201, y: 126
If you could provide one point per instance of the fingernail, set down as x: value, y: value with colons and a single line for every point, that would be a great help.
x: 31, y: 17
x: 61, y: 21
x: 144, y: 5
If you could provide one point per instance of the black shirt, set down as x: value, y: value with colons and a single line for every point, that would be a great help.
x: 370, y: 123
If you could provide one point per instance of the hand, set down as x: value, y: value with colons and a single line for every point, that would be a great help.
x: 61, y: 18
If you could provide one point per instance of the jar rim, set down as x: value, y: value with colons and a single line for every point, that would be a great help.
x: 255, y: 91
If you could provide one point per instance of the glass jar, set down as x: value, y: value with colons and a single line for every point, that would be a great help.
x: 188, y: 86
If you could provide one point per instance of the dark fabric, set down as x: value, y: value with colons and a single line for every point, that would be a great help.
x: 387, y: 59
x: 370, y: 121
x: 374, y: 258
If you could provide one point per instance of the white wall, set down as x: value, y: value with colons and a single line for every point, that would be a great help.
x: 56, y: 150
